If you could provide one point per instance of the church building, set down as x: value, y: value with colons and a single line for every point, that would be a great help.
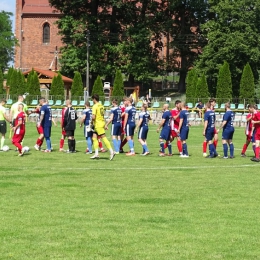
x: 37, y: 35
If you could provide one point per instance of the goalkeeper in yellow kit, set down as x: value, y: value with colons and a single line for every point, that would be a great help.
x: 98, y: 121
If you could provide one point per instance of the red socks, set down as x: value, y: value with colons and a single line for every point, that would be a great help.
x: 257, y: 152
x: 179, y: 145
x: 204, y: 149
x: 244, y: 148
x: 61, y: 143
x: 215, y: 142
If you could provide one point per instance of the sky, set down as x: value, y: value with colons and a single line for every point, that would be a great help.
x: 8, y: 6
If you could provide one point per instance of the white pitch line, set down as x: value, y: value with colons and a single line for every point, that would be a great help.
x: 145, y: 168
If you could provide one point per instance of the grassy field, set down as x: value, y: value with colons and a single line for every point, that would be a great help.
x: 66, y: 206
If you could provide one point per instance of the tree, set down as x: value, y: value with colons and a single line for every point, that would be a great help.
x: 7, y: 40
x: 1, y: 82
x: 233, y: 33
x: 33, y: 84
x: 57, y: 87
x: 224, y: 84
x: 98, y: 87
x: 21, y: 86
x: 77, y: 85
x: 191, y: 85
x: 9, y: 76
x: 13, y: 82
x: 247, y: 85
x: 202, y: 90
x: 118, y: 88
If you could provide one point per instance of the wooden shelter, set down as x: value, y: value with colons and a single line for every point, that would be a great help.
x: 45, y: 79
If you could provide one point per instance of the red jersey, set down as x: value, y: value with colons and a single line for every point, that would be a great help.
x: 175, y: 122
x: 21, y: 128
x: 249, y: 125
x: 256, y: 117
x: 62, y: 115
x: 123, y: 111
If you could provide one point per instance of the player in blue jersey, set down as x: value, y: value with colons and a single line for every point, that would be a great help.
x: 184, y: 130
x: 88, y: 131
x: 116, y: 119
x: 228, y: 132
x: 46, y: 122
x: 209, y: 130
x: 166, y: 130
x: 129, y: 125
x: 143, y: 123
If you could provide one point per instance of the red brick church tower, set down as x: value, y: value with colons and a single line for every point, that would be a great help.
x: 37, y: 34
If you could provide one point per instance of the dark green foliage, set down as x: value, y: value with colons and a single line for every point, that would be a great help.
x: 202, y: 91
x: 247, y: 85
x: 9, y: 76
x: 1, y: 82
x: 13, y: 83
x: 224, y: 84
x: 191, y: 85
x: 29, y: 80
x: 33, y: 84
x: 118, y: 88
x: 98, y: 87
x: 7, y: 40
x: 21, y: 87
x: 57, y: 87
x: 77, y: 85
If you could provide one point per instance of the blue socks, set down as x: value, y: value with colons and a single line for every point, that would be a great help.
x: 48, y: 143
x: 231, y: 147
x: 89, y: 144
x: 162, y: 147
x: 225, y: 150
x: 185, y: 149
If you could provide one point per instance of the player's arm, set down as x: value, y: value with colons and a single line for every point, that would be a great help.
x: 20, y: 121
x: 7, y: 118
x: 125, y: 121
x: 222, y: 125
x: 53, y: 121
x: 139, y: 123
x: 82, y: 120
x: 205, y: 126
x: 180, y: 124
x: 160, y: 125
x: 109, y: 120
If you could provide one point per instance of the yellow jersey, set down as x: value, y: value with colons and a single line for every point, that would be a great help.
x: 98, y: 111
x: 2, y: 113
x: 14, y: 109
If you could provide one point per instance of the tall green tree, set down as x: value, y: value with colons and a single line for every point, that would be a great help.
x: 1, y: 82
x: 53, y: 90
x: 60, y: 86
x: 118, y: 88
x: 247, y: 85
x: 191, y: 85
x: 21, y: 84
x: 77, y: 85
x: 202, y: 90
x: 28, y: 81
x: 233, y: 33
x: 9, y: 76
x: 33, y: 84
x: 224, y: 84
x: 7, y: 40
x: 98, y: 87
x: 13, y: 83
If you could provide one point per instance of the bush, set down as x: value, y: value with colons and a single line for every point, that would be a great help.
x: 77, y: 85
x: 98, y: 88
x: 202, y: 90
x: 191, y: 85
x: 118, y: 88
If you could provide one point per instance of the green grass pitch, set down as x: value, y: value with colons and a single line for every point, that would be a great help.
x: 66, y: 206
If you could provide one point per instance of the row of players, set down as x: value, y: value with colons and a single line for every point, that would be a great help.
x: 174, y: 124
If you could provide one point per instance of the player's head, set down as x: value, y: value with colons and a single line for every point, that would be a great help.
x: 144, y: 107
x: 227, y: 106
x: 95, y: 98
x: 42, y: 100
x: 114, y: 102
x: 20, y: 98
x: 251, y: 108
x: 177, y: 103
x: 128, y: 101
x: 208, y: 105
x: 256, y: 107
x: 87, y: 104
x: 212, y: 101
x: 20, y: 107
x: 68, y: 102
x: 165, y: 107
x: 3, y: 102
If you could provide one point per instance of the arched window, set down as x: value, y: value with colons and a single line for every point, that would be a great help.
x: 46, y: 33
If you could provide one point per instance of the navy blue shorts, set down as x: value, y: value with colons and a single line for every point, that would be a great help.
x: 165, y: 133
x: 253, y: 137
x: 209, y: 135
x: 142, y: 134
x: 228, y: 134
x: 47, y: 131
x: 116, y: 129
x: 130, y: 129
x: 184, y: 133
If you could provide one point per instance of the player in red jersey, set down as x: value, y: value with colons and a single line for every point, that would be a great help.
x: 123, y: 139
x: 256, y: 126
x: 19, y: 130
x: 212, y: 102
x: 63, y: 132
x: 175, y: 112
x: 39, y: 128
x: 248, y: 132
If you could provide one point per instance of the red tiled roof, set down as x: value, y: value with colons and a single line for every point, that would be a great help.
x: 50, y: 74
x: 38, y: 7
